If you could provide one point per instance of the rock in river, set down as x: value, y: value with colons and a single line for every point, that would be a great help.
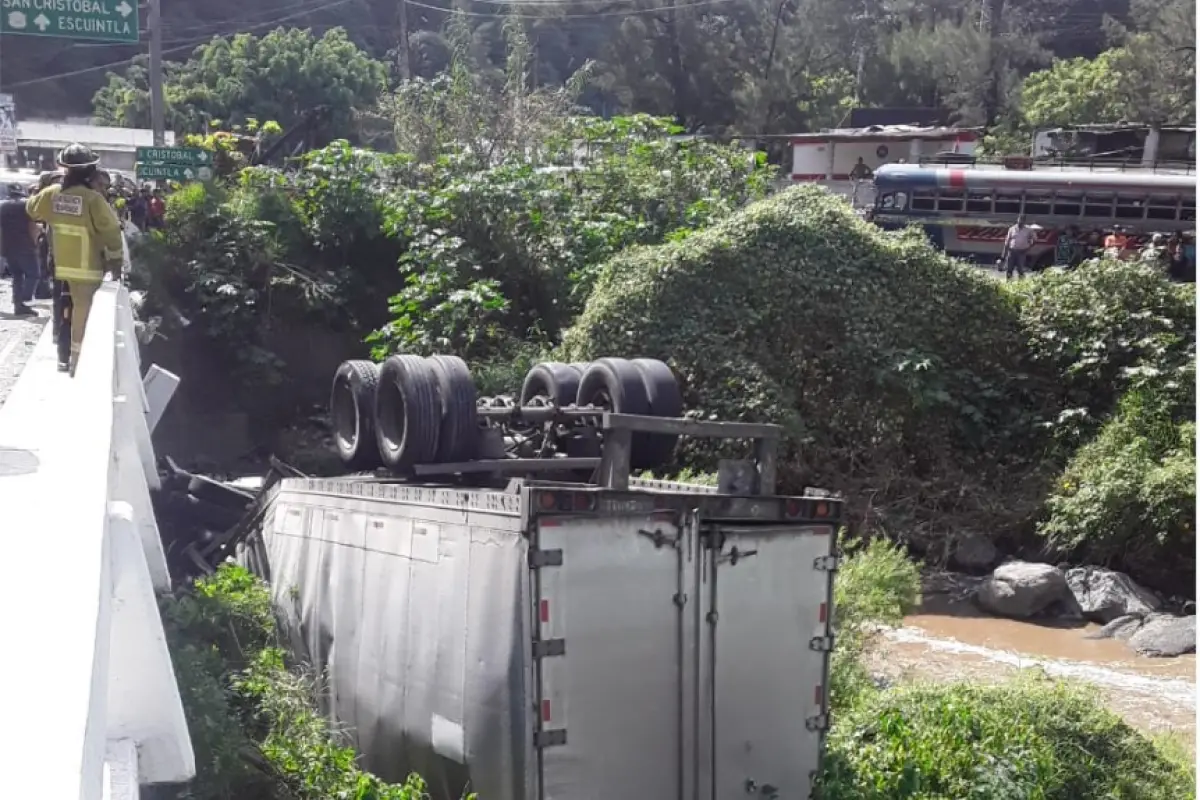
x: 1165, y: 635
x: 1024, y: 589
x: 1104, y: 595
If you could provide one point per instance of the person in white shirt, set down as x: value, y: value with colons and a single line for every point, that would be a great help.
x: 1017, y: 245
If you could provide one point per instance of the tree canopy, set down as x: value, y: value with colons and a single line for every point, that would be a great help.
x: 229, y: 82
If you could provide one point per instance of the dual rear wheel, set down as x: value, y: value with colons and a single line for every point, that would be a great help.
x: 412, y: 410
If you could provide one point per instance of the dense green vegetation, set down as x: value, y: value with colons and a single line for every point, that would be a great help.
x: 253, y: 718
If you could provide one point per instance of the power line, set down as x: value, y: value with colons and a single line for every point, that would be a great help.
x: 516, y: 4
x: 178, y: 49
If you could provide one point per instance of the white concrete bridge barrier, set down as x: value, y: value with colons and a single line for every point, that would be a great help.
x: 92, y: 708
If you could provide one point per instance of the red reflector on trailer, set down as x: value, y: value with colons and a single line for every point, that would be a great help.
x: 819, y: 695
x: 545, y: 711
x: 822, y: 613
x: 544, y: 610
x: 822, y: 509
x: 547, y: 500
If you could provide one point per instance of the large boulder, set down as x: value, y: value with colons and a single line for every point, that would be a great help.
x: 1023, y: 589
x: 1165, y: 635
x: 1121, y: 628
x: 1104, y: 595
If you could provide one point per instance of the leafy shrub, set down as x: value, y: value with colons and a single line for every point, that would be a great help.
x: 1128, y: 498
x: 510, y: 250
x: 1103, y: 329
x: 877, y: 585
x: 899, y: 374
x: 254, y: 722
x: 1028, y: 739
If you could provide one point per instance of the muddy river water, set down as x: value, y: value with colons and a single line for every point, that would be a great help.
x: 952, y: 641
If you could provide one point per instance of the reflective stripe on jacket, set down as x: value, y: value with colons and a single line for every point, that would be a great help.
x: 85, y: 233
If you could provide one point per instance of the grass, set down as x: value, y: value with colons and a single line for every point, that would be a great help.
x: 1030, y: 739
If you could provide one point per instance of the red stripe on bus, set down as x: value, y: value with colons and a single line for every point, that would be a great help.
x: 958, y: 178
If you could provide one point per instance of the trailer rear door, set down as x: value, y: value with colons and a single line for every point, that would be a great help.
x: 766, y: 597
x: 606, y: 592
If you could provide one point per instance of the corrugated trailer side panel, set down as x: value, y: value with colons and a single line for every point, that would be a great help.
x: 416, y: 602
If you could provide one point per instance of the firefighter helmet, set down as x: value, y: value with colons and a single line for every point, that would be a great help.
x: 77, y: 156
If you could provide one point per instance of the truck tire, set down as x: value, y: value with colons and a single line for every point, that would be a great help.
x: 458, y: 434
x: 580, y: 366
x: 557, y: 382
x: 407, y: 418
x: 352, y: 414
x: 665, y: 399
x: 614, y: 384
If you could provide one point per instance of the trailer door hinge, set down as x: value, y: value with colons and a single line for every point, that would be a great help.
x: 818, y: 723
x: 661, y: 539
x: 552, y: 738
x: 822, y: 644
x: 827, y: 563
x: 548, y: 648
x: 545, y: 558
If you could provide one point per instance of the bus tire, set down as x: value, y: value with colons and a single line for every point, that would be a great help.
x: 407, y: 413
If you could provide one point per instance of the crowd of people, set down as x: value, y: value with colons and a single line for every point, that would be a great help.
x: 1174, y: 254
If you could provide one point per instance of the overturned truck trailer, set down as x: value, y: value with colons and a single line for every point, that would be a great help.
x: 542, y: 639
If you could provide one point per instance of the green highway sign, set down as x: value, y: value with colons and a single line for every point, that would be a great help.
x: 102, y: 20
x: 187, y: 156
x: 172, y: 172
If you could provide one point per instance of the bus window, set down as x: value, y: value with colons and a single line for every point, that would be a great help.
x: 979, y: 201
x: 950, y: 200
x: 1160, y: 206
x: 1130, y: 208
x: 1187, y: 212
x: 1098, y: 205
x: 1038, y: 204
x: 892, y: 201
x: 1068, y: 204
x: 924, y: 200
x: 1008, y: 203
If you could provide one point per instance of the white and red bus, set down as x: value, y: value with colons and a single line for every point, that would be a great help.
x: 967, y: 211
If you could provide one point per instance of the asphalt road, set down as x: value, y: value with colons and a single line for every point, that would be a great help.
x: 18, y: 336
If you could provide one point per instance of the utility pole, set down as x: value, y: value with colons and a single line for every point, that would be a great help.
x: 403, y: 52
x: 157, y: 113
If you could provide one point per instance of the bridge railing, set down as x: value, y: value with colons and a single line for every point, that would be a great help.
x: 93, y: 709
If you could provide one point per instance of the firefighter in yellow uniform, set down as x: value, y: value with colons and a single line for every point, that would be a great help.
x: 85, y: 238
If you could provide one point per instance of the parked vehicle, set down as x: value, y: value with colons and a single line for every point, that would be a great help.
x: 967, y: 210
x: 501, y: 624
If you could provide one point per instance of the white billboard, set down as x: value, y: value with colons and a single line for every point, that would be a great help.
x: 8, y: 124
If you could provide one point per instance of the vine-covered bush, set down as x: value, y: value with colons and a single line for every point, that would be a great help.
x: 901, y: 376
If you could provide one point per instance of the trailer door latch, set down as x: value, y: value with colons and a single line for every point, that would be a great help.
x: 822, y: 644
x: 818, y: 723
x: 826, y: 563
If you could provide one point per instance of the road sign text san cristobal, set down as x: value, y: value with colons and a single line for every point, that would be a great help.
x: 101, y: 20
